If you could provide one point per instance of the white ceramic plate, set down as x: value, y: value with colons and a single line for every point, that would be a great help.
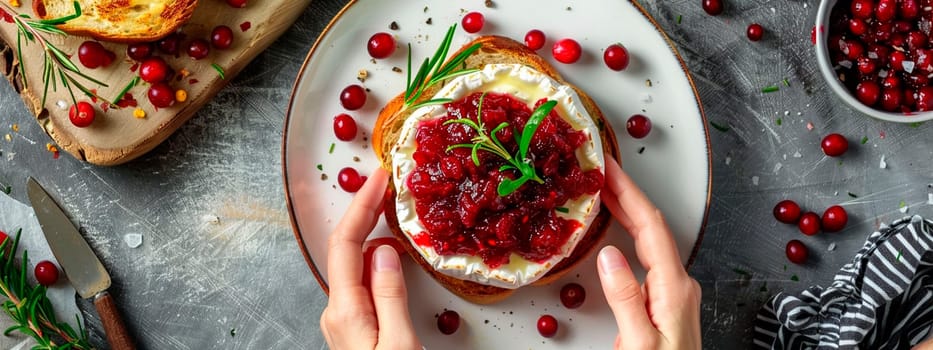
x: 673, y: 169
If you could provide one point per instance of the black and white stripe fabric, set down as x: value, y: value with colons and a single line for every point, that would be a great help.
x: 883, y: 299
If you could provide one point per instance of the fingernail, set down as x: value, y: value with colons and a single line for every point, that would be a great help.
x: 386, y: 259
x: 610, y: 259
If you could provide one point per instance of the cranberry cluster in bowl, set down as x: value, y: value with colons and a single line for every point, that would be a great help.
x: 877, y: 56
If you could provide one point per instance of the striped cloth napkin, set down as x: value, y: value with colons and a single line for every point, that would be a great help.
x: 883, y: 299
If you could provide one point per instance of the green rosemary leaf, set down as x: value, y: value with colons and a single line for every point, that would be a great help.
x: 460, y: 145
x: 220, y: 71
x: 88, y: 78
x: 62, y: 58
x: 437, y: 79
x: 474, y: 153
x: 126, y: 89
x: 436, y: 101
x: 495, y: 130
x: 458, y: 59
x: 508, y: 186
x: 719, y: 127
x: 563, y: 209
x: 419, y: 81
x: 19, y: 56
x: 11, y: 329
x: 532, y: 126
x: 61, y: 20
x: 505, y: 167
x: 21, y: 287
x: 771, y: 88
x: 464, y: 121
x: 67, y: 86
x: 408, y: 88
x: 441, y: 53
x: 26, y: 32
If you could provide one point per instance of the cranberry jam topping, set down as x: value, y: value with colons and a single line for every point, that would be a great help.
x: 457, y: 200
x: 450, y: 207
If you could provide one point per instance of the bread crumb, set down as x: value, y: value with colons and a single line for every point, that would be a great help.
x: 362, y: 75
x: 15, y: 127
x: 396, y: 69
x: 429, y: 21
x: 490, y: 4
x: 139, y: 113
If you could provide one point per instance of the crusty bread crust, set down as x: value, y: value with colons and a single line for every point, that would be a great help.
x: 495, y: 49
x: 120, y: 20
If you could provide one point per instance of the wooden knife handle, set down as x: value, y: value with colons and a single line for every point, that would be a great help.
x: 117, y: 335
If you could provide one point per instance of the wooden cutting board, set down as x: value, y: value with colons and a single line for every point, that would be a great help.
x: 117, y: 136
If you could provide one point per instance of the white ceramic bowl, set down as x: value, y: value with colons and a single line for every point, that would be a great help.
x: 832, y: 80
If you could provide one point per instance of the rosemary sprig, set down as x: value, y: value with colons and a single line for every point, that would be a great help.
x: 57, y: 66
x: 490, y: 143
x: 434, y: 70
x: 30, y: 308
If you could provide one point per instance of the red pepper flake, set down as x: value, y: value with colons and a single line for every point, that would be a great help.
x: 127, y: 101
x: 134, y: 67
x: 192, y: 81
x: 245, y: 26
x: 104, y: 106
x: 882, y: 134
x: 6, y: 16
x: 94, y: 96
x: 55, y: 155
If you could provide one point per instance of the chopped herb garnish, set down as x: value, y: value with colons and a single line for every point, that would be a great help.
x: 562, y: 210
x: 126, y: 89
x: 794, y: 278
x: 7, y: 189
x: 741, y: 272
x: 220, y: 70
x: 786, y: 83
x: 641, y: 150
x: 771, y: 88
x: 232, y: 332
x: 434, y: 71
x: 719, y: 127
x: 779, y: 121
x: 898, y: 258
x: 916, y: 124
x: 852, y: 195
x: 785, y: 267
x: 864, y: 140
x: 331, y: 151
x: 320, y: 167
x: 901, y: 204
x: 679, y: 18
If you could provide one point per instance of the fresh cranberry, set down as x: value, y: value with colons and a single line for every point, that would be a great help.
x: 547, y: 326
x: 198, y: 49
x: 46, y: 273
x: 908, y: 9
x: 473, y: 22
x: 712, y: 7
x: 809, y: 223
x: 862, y: 9
x: 448, y: 322
x: 222, y: 37
x: 93, y: 55
x: 381, y: 45
x: 925, y: 98
x: 891, y: 82
x: 835, y: 145
x: 353, y: 97
x: 891, y: 99
x: 796, y: 252
x: 853, y: 49
x: 139, y: 51
x: 349, y: 180
x: 161, y: 95
x: 534, y: 39
x: 787, y: 211
x: 916, y: 40
x: 868, y: 92
x: 153, y: 70
x: 903, y: 26
x: 572, y: 295
x: 170, y: 44
x: 866, y: 65
x: 237, y: 3
x: 857, y: 26
x: 81, y: 114
x: 344, y: 127
x: 566, y: 51
x: 755, y: 32
x: 616, y: 57
x: 638, y: 126
x: 885, y: 10
x: 896, y: 60
x: 834, y: 219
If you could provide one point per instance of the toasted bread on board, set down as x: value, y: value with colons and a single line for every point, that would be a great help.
x: 119, y: 21
x: 494, y: 50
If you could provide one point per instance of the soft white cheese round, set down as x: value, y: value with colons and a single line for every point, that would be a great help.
x: 524, y: 84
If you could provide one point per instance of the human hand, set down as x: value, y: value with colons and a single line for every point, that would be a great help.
x: 664, y: 313
x: 365, y: 313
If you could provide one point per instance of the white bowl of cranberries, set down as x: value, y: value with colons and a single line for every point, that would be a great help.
x: 877, y: 55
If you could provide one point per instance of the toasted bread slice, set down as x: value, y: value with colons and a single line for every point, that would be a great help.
x: 495, y: 49
x: 120, y: 21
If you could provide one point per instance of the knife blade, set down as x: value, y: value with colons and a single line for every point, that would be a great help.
x: 81, y: 266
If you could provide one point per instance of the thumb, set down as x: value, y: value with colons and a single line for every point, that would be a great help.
x: 624, y: 294
x: 390, y: 299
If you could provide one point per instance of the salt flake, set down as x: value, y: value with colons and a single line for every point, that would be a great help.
x: 930, y: 198
x: 213, y: 219
x: 832, y: 247
x: 797, y: 154
x: 777, y: 167
x: 133, y: 240
x: 728, y: 160
x: 755, y: 180
x: 883, y: 164
x: 62, y: 105
x: 908, y: 66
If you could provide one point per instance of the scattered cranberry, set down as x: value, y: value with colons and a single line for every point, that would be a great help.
x: 161, y: 95
x: 547, y: 326
x: 885, y: 10
x: 473, y: 22
x: 868, y: 92
x: 572, y: 295
x: 46, y: 273
x: 787, y: 211
x: 153, y: 70
x: 809, y: 223
x: 353, y: 97
x: 381, y: 45
x: 139, y: 51
x: 755, y: 32
x: 835, y: 145
x: 170, y: 44
x: 344, y: 127
x: 858, y: 26
x: 566, y: 51
x: 222, y: 37
x: 349, y: 180
x: 448, y: 322
x: 638, y: 126
x: 237, y: 3
x: 834, y: 219
x: 92, y: 55
x: 198, y: 49
x: 909, y: 9
x: 534, y: 39
x: 862, y: 9
x: 796, y: 252
x: 616, y: 57
x: 712, y: 7
x: 81, y: 114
